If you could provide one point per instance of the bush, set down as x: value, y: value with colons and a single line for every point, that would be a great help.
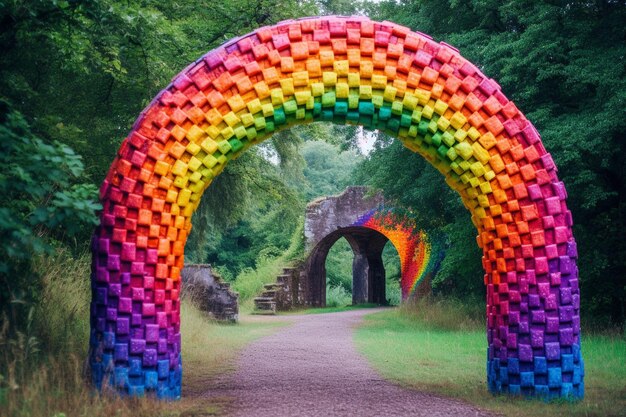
x: 337, y: 297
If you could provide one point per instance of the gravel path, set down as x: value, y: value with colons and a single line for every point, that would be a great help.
x: 311, y: 368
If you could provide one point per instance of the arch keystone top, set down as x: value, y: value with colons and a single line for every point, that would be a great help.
x: 345, y: 70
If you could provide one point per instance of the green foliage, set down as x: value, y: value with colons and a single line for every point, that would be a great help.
x: 41, y: 200
x: 338, y: 296
x: 563, y: 64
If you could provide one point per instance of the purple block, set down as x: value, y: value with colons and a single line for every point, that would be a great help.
x: 102, y: 274
x: 553, y: 350
x: 524, y: 327
x: 576, y: 301
x: 162, y: 346
x: 566, y: 295
x: 111, y: 314
x: 565, y: 314
x: 572, y: 249
x: 538, y: 316
x: 555, y: 279
x: 120, y: 353
x: 115, y: 290
x: 152, y: 332
x: 113, y: 263
x: 552, y: 325
x: 536, y: 338
x: 136, y: 319
x: 514, y: 317
x: 125, y: 305
x: 511, y: 340
x: 544, y: 289
x: 553, y: 205
x: 150, y: 357
x: 525, y: 353
x: 101, y: 296
x: 125, y: 278
x: 534, y: 301
x: 576, y: 324
x: 551, y: 303
x: 566, y: 337
x: 567, y: 266
x: 137, y: 346
x: 559, y: 190
x: 122, y: 325
x: 102, y: 245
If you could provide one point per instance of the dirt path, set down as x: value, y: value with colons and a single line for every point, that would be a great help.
x: 311, y: 368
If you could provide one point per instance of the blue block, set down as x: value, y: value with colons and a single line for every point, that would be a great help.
x: 504, y: 375
x: 576, y: 352
x: 366, y: 108
x: 163, y: 368
x: 567, y: 390
x: 513, y: 366
x: 542, y: 391
x: 163, y: 390
x: 576, y: 377
x: 567, y: 363
x: 515, y: 389
x: 554, y: 377
x: 527, y: 379
x: 136, y: 390
x: 327, y: 115
x: 121, y: 376
x: 541, y: 365
x: 135, y: 367
x: 109, y: 340
x: 579, y: 390
x: 107, y: 360
x: 152, y: 379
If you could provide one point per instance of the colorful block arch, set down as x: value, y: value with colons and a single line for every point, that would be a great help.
x: 346, y: 70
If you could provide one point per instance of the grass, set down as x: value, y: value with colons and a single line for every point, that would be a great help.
x: 439, y: 348
x: 41, y: 367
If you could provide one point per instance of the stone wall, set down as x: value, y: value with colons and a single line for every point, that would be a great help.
x: 210, y: 293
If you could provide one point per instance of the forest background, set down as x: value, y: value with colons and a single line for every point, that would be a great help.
x: 74, y: 75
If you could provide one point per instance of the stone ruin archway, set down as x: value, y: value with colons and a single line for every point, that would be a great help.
x: 367, y: 225
x: 345, y: 70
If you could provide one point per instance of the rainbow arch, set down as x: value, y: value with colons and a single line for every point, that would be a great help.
x: 345, y: 70
x: 417, y: 255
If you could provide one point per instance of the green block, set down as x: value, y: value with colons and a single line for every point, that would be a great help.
x: 437, y: 139
x: 224, y: 146
x: 384, y: 113
x: 251, y: 133
x: 366, y: 108
x: 236, y: 145
x: 442, y: 151
x: 270, y: 126
x: 412, y: 131
x: 300, y: 113
x: 422, y: 127
x: 327, y: 115
x: 341, y: 108
x: 432, y: 126
x: 290, y: 106
x: 396, y: 108
x: 279, y: 116
x: 317, y: 109
x: 366, y: 121
x: 240, y: 132
x: 353, y: 101
x: 405, y: 120
x: 393, y: 125
x: 451, y: 154
x: 377, y: 100
x: 353, y: 116
x: 448, y: 139
x: 328, y: 99
x: 259, y: 123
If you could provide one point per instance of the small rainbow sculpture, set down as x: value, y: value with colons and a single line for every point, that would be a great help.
x: 413, y: 246
x: 345, y: 70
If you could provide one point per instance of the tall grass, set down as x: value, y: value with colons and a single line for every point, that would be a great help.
x: 439, y: 346
x: 42, y: 366
x: 337, y: 297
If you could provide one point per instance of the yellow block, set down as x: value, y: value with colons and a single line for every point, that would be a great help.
x: 194, y: 163
x: 183, y: 197
x: 231, y: 119
x: 195, y: 134
x: 286, y: 84
x: 302, y: 96
x: 341, y: 67
x: 236, y: 103
x: 254, y: 106
x: 329, y: 78
x: 268, y: 110
x: 300, y: 78
x: 247, y: 119
x: 277, y: 97
x: 458, y: 120
x: 354, y: 79
x: 365, y: 92
x: 480, y: 153
x: 379, y: 81
x: 161, y: 168
x: 209, y: 145
x: 441, y: 107
x: 390, y: 93
x: 342, y: 90
x: 317, y: 89
x: 179, y: 168
x: 193, y: 148
x: 410, y: 101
